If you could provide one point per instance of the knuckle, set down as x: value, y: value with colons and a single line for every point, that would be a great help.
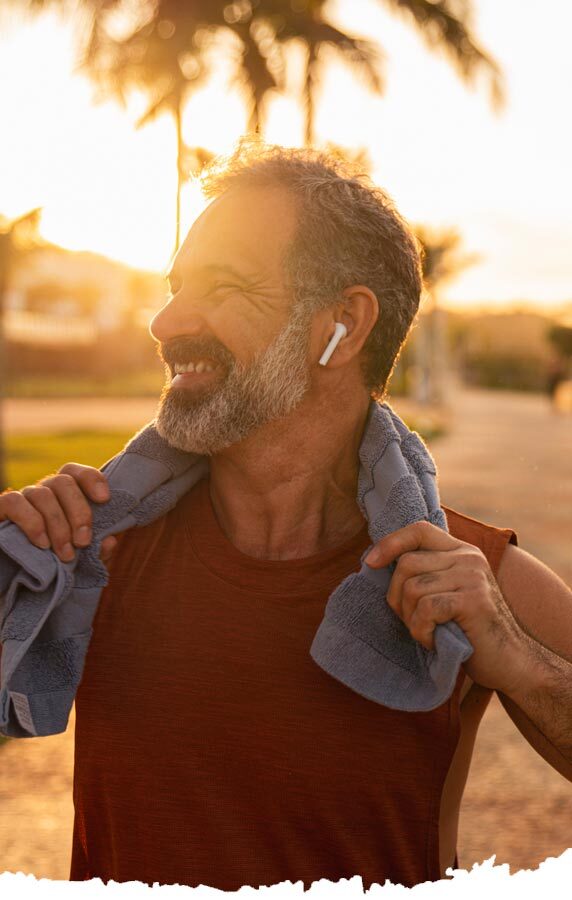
x: 410, y: 589
x: 65, y: 480
x: 441, y: 604
x: 39, y: 492
x: 427, y: 578
x: 46, y: 482
x: 473, y: 555
x: 479, y: 598
x: 475, y: 580
x: 12, y: 501
x: 68, y: 469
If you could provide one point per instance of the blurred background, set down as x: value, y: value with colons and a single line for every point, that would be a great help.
x: 108, y: 110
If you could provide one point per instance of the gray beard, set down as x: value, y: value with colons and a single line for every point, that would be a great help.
x: 249, y: 397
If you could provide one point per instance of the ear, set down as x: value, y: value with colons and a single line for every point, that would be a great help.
x: 358, y: 311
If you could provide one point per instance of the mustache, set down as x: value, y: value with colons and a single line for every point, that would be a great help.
x: 183, y: 349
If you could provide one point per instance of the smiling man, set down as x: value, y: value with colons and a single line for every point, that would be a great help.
x: 248, y: 366
x: 210, y: 748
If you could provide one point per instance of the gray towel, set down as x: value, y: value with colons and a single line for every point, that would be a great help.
x: 47, y: 606
x: 360, y: 640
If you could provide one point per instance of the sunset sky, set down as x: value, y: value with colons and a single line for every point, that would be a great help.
x: 503, y: 180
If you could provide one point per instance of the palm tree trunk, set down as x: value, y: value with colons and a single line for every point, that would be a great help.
x: 309, y: 96
x: 254, y: 118
x: 180, y: 174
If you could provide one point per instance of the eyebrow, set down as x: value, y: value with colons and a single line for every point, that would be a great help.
x: 213, y: 268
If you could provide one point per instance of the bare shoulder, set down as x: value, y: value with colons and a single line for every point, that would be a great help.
x: 540, y: 600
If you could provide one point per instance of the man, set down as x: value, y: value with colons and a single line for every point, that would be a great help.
x: 209, y: 747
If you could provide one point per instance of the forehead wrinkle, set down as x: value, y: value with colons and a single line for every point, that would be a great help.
x: 246, y: 225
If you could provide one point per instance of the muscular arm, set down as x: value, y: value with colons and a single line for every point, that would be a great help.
x: 540, y: 705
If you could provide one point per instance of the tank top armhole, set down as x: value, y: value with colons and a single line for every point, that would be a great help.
x: 492, y: 540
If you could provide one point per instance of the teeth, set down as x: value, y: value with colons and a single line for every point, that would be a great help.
x: 201, y: 366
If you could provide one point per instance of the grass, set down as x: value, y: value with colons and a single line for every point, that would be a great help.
x: 32, y: 456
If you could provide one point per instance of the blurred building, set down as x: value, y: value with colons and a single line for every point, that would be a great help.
x: 58, y: 296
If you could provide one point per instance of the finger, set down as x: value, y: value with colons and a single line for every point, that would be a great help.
x: 55, y: 522
x: 92, y: 482
x: 414, y: 575
x: 415, y: 590
x: 15, y: 508
x: 108, y: 548
x: 74, y: 504
x: 417, y: 536
x: 432, y: 610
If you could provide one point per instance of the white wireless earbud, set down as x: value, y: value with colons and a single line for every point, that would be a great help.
x: 339, y: 333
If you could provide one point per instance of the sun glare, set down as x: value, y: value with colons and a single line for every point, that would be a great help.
x: 107, y: 186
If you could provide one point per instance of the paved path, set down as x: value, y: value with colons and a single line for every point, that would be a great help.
x: 37, y: 416
x: 507, y: 459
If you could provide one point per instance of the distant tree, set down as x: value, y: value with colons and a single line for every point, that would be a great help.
x: 560, y: 336
x: 441, y: 256
x: 16, y: 236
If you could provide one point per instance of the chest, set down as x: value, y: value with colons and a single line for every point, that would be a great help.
x: 225, y: 679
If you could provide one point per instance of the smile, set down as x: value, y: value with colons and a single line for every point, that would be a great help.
x: 202, y: 365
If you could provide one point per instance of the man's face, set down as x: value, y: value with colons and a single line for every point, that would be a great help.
x: 236, y: 350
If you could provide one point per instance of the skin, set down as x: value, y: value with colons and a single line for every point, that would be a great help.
x: 288, y: 490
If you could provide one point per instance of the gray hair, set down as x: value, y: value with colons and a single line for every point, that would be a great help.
x: 348, y: 232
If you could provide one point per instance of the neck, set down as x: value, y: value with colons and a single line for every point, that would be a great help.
x: 289, y: 489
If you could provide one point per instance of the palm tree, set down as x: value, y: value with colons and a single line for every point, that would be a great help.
x: 444, y: 24
x: 441, y: 260
x: 163, y: 48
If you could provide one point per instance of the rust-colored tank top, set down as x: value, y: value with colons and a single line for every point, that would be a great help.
x: 211, y: 749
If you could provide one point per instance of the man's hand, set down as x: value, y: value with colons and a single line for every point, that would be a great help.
x: 438, y: 579
x: 55, y: 512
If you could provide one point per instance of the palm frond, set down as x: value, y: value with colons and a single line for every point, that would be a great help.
x: 442, y: 258
x: 363, y: 55
x: 254, y: 66
x: 446, y: 25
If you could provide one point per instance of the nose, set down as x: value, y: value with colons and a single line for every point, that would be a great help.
x: 176, y: 318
